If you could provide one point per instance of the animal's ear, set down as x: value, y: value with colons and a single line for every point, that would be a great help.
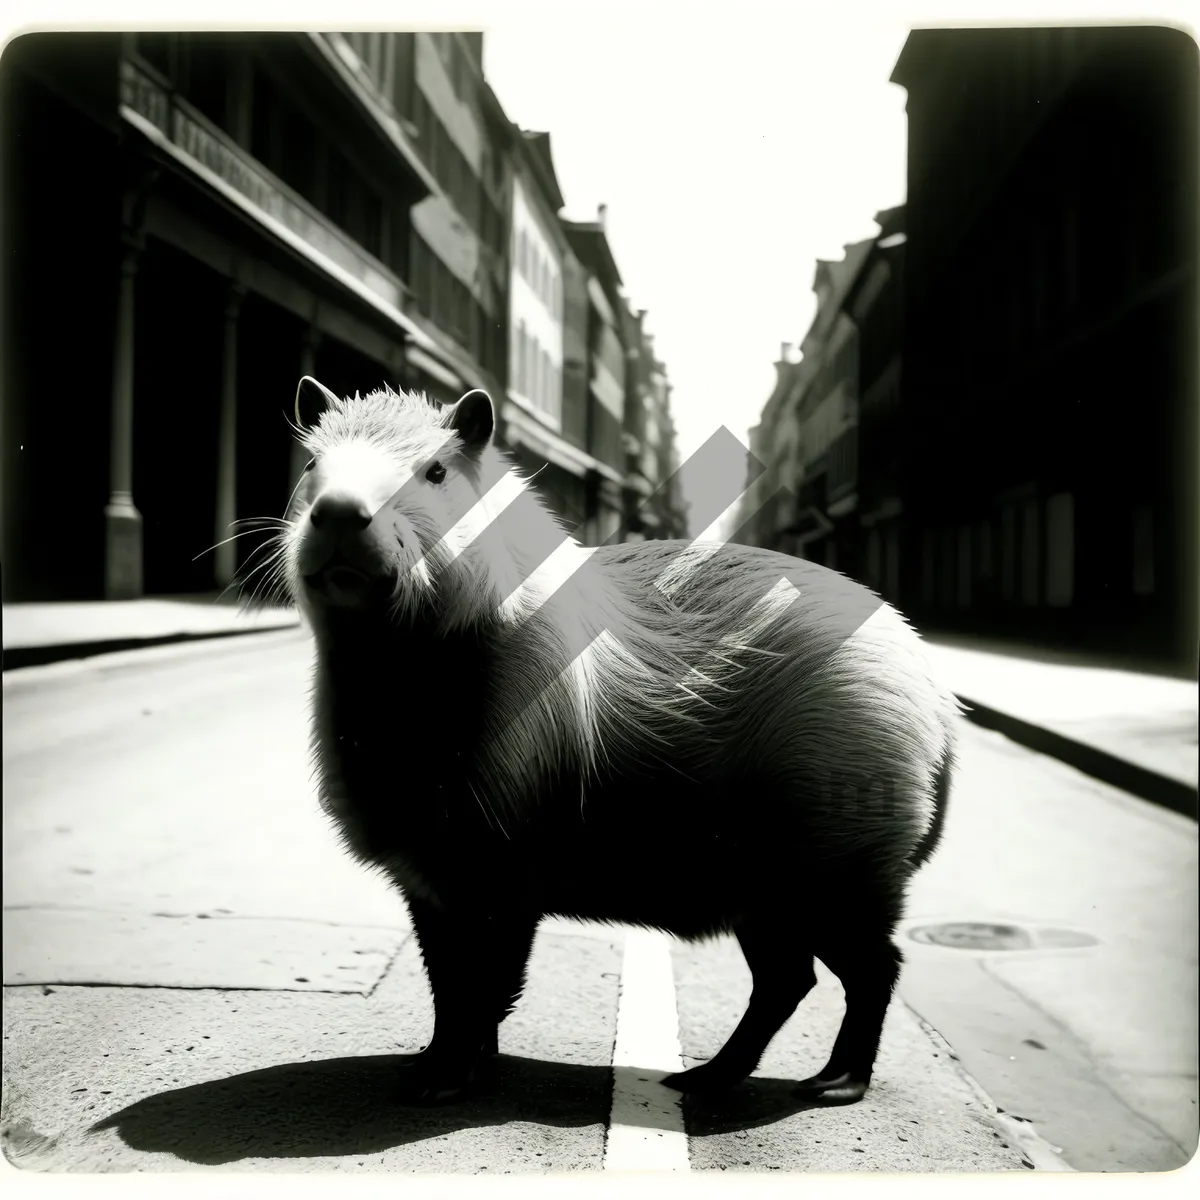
x: 474, y: 420
x: 312, y: 398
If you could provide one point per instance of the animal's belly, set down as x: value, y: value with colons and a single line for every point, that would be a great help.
x: 690, y: 885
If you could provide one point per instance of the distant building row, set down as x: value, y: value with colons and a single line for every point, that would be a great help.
x: 993, y: 418
x: 194, y: 221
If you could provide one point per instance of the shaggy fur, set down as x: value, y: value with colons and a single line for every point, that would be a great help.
x: 702, y: 740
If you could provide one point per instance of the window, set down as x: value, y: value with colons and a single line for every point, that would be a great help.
x: 1060, y: 549
x: 873, y: 557
x: 964, y: 567
x: 521, y: 356
x: 1070, y: 249
x: 927, y: 567
x: 946, y: 569
x: 421, y: 274
x: 1030, y: 555
x: 986, y: 565
x: 375, y: 57
x: 891, y: 584
x: 1143, y: 550
x: 421, y: 117
x: 1008, y: 552
x: 159, y: 50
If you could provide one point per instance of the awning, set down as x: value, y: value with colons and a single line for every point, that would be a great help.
x: 520, y: 427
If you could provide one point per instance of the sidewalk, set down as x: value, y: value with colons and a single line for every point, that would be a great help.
x: 43, y: 633
x: 1134, y: 731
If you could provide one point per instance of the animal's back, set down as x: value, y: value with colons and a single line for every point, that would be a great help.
x: 810, y: 745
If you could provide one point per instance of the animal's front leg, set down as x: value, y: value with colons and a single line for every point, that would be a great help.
x: 469, y: 954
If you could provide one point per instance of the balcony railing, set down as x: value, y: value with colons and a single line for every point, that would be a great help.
x: 214, y: 155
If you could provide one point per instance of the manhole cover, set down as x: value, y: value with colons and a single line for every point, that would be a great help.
x: 971, y: 935
x: 983, y: 935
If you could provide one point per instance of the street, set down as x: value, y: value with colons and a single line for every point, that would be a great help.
x: 196, y: 975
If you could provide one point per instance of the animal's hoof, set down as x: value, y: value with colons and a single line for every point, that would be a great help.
x: 831, y: 1089
x: 706, y: 1079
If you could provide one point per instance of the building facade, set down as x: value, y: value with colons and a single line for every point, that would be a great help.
x: 875, y: 304
x: 652, y: 491
x: 255, y: 207
x: 247, y: 218
x: 605, y: 374
x: 806, y: 502
x: 542, y: 421
x: 997, y: 427
x: 1049, y: 387
x: 827, y: 420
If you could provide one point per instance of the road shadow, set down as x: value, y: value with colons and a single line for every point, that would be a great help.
x: 344, y: 1106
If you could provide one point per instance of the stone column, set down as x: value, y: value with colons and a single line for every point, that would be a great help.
x: 226, y: 552
x: 122, y: 521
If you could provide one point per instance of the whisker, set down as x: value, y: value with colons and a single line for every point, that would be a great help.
x: 233, y: 538
x: 241, y: 582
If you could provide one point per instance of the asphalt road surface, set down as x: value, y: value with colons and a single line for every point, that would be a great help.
x: 195, y: 975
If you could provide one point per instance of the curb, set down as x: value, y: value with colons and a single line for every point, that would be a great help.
x: 1099, y: 764
x: 1036, y: 1152
x: 16, y: 657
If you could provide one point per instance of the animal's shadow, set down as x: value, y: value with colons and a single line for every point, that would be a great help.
x: 345, y: 1106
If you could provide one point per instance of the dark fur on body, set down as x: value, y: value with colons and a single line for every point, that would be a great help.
x: 784, y: 796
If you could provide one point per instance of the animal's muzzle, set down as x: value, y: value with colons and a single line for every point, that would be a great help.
x: 345, y: 551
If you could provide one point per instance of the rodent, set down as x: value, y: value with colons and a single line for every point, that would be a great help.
x: 510, y: 726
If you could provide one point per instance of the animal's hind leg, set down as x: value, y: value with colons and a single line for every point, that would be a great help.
x: 782, y: 978
x: 510, y: 980
x: 867, y: 961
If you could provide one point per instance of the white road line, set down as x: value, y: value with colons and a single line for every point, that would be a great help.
x: 645, y: 1131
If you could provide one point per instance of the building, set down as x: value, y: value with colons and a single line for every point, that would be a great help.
x: 769, y: 507
x: 1049, y: 388
x: 598, y: 277
x: 256, y: 207
x: 673, y: 506
x: 806, y: 501
x: 827, y: 420
x: 640, y: 517
x: 543, y: 422
x: 459, y: 257
x: 191, y: 223
x: 875, y: 303
x: 657, y: 457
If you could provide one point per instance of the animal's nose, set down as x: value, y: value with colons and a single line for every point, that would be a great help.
x: 340, y: 509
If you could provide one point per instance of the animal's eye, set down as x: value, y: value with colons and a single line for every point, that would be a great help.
x: 436, y: 473
x: 312, y: 462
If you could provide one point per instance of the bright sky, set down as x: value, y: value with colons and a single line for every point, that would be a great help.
x: 730, y: 158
